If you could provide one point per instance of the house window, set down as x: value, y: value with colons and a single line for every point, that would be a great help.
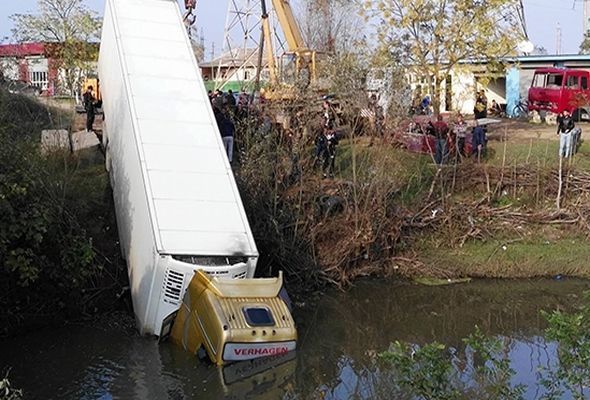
x: 39, y: 79
x: 246, y: 75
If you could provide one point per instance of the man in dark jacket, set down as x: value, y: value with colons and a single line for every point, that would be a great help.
x: 89, y: 106
x: 566, y: 130
x: 227, y: 130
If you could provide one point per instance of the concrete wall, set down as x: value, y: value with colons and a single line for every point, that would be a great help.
x: 512, y: 89
x: 464, y: 88
x: 496, y: 90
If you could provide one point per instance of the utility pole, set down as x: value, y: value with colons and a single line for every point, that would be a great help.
x: 558, y: 39
x: 586, y: 25
x: 522, y: 19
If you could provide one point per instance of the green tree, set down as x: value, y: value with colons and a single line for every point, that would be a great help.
x: 435, y: 372
x: 432, y: 37
x: 72, y: 32
x: 571, y: 331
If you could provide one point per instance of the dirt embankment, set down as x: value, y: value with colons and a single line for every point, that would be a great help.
x: 389, y: 212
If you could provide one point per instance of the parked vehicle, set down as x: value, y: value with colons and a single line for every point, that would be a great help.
x: 177, y: 204
x: 557, y: 89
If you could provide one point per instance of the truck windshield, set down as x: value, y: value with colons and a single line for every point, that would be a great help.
x: 550, y: 81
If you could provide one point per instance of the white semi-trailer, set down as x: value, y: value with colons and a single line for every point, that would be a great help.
x: 177, y: 205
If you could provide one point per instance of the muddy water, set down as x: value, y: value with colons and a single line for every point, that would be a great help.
x: 339, y: 338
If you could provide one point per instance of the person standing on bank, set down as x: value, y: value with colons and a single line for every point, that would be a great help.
x: 228, y: 130
x: 565, y: 128
x: 479, y: 141
x: 89, y: 106
x: 441, y: 132
x: 460, y: 129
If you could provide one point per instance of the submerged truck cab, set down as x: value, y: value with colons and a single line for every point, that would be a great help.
x: 557, y: 89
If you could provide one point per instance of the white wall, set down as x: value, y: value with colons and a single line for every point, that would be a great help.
x: 464, y: 88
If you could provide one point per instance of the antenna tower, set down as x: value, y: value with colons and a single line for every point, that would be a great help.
x: 241, y: 42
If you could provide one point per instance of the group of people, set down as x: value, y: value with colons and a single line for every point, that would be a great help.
x: 229, y: 108
x: 452, y: 141
x: 237, y: 105
x: 423, y: 106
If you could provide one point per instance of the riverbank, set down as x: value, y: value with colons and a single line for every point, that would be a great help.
x: 385, y: 213
x: 507, y: 217
x: 59, y: 255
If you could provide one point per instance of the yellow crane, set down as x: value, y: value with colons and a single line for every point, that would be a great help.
x: 305, y: 58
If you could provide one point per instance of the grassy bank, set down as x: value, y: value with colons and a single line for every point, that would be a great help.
x: 567, y: 255
x: 399, y: 215
x: 59, y: 256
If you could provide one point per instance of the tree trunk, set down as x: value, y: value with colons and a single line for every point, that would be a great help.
x: 436, y: 95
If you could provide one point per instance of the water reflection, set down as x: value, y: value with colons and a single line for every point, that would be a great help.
x: 339, y: 341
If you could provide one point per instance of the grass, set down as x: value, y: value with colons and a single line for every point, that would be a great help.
x: 409, y: 172
x: 567, y: 254
x: 542, y: 152
x: 541, y: 251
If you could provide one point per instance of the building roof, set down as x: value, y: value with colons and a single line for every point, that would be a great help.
x: 22, y: 49
x: 235, y: 58
x: 553, y: 58
x: 523, y: 59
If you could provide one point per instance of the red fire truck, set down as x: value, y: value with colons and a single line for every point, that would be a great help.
x: 557, y: 89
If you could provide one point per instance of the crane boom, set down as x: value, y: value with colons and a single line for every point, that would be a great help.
x: 289, y: 26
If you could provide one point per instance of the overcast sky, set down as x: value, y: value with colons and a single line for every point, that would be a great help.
x: 542, y: 19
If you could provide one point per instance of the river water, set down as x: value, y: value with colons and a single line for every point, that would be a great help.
x: 338, y: 340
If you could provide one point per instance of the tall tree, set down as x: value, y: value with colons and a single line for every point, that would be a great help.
x: 585, y: 45
x: 330, y: 26
x: 432, y: 37
x: 71, y: 31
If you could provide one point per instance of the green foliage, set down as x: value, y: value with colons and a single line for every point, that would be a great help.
x: 20, y: 116
x: 40, y: 236
x: 424, y: 371
x: 492, y: 374
x: 433, y: 371
x: 51, y: 208
x: 572, y: 333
